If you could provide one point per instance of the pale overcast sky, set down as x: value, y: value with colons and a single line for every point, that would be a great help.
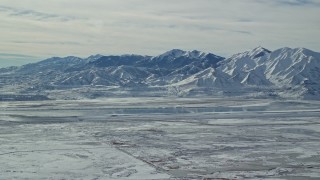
x: 32, y: 30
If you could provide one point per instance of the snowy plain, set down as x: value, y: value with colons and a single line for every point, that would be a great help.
x: 160, y: 138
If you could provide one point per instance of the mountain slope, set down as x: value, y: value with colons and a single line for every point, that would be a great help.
x: 285, y: 72
x: 294, y: 72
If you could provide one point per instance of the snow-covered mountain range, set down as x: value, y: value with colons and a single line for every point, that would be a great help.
x: 285, y: 72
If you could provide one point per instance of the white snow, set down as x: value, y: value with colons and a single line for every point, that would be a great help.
x: 160, y: 138
x: 283, y: 73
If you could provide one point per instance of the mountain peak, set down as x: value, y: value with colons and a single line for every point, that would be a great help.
x: 259, y: 52
x: 196, y: 54
x: 297, y: 51
x: 305, y: 51
x: 261, y: 49
x: 95, y: 56
x: 174, y: 53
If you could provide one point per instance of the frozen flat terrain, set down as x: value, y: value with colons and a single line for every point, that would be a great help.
x: 160, y: 138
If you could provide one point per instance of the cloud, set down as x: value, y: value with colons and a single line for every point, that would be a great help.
x: 224, y: 27
x: 34, y: 14
x: 304, y: 3
x: 47, y: 42
x: 244, y: 32
x: 6, y: 55
x: 297, y: 2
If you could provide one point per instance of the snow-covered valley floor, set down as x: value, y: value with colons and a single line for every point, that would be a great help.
x: 160, y: 138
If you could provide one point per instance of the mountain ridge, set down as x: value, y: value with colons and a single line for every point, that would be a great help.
x: 285, y: 72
